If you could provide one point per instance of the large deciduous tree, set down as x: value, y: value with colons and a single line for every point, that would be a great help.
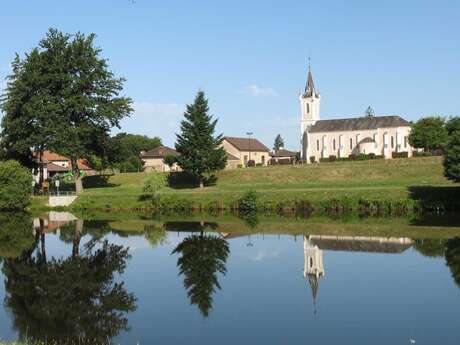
x: 452, y: 150
x: 63, y: 97
x: 200, y: 150
x: 429, y: 133
x: 279, y: 143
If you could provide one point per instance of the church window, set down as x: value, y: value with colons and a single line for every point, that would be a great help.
x: 311, y: 262
x: 308, y: 108
x: 405, y: 142
x: 392, y: 142
x: 333, y: 143
x: 317, y: 145
x: 376, y: 139
x: 351, y: 143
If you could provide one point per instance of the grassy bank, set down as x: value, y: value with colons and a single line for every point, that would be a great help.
x: 377, y: 184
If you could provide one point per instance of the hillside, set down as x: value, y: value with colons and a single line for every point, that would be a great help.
x: 382, y: 180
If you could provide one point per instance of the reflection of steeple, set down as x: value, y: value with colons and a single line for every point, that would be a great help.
x: 313, y: 267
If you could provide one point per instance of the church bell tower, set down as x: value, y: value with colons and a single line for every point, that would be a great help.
x: 310, y: 101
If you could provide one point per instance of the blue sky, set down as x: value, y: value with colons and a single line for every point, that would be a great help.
x: 250, y: 57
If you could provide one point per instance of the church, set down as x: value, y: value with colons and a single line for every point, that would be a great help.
x: 341, y: 138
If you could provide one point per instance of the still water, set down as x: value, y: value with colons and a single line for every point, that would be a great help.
x: 223, y: 281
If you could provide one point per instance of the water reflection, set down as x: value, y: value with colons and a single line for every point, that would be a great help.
x: 67, y: 300
x: 202, y: 257
x: 313, y: 266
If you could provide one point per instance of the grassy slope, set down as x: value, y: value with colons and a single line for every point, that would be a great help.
x: 374, y: 180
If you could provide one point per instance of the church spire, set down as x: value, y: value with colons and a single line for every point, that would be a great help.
x: 310, y: 87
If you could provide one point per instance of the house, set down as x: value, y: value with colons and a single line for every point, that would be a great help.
x: 369, y: 134
x: 243, y: 150
x: 154, y: 159
x: 54, y: 163
x: 282, y: 156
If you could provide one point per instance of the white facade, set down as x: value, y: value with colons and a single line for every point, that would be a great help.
x: 378, y: 135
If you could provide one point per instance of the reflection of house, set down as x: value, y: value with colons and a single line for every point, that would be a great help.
x: 313, y: 266
x: 246, y: 149
x: 54, y: 221
x: 54, y: 163
x: 379, y: 135
x: 154, y: 159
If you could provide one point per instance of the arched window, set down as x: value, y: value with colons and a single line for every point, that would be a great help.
x: 308, y: 108
x: 333, y: 143
x: 392, y: 142
x: 351, y: 143
x: 317, y: 145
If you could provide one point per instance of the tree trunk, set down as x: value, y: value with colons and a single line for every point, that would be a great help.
x: 77, y: 237
x: 77, y: 177
x: 40, y: 168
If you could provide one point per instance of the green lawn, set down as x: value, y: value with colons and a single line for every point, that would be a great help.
x: 384, y: 180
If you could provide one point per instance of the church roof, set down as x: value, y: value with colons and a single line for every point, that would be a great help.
x: 310, y: 86
x: 358, y: 124
x: 370, y: 246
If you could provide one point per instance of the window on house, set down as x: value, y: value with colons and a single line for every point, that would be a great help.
x: 317, y: 145
x: 351, y: 143
x: 392, y: 142
x: 308, y: 108
x: 333, y: 143
x: 245, y: 159
x: 263, y: 160
x: 405, y: 142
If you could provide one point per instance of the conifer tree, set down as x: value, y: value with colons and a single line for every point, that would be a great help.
x: 279, y: 143
x: 200, y: 151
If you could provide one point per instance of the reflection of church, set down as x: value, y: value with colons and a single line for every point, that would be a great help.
x: 313, y: 246
x: 313, y: 266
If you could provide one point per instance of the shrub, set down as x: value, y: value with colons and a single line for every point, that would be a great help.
x: 422, y: 154
x: 332, y: 158
x: 400, y: 155
x: 251, y: 163
x: 362, y: 157
x: 351, y: 157
x: 15, y: 186
x: 239, y: 166
x: 153, y: 185
x: 312, y: 159
x: 248, y: 202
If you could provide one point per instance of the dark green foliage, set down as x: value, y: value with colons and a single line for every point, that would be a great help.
x: 312, y: 159
x: 453, y: 258
x: 452, y: 151
x: 202, y: 258
x: 430, y: 247
x: 170, y: 160
x: 200, y: 151
x: 15, y: 186
x: 124, y: 149
x: 429, y: 133
x: 248, y: 202
x: 15, y: 234
x: 62, y: 97
x: 73, y: 300
x: 279, y: 142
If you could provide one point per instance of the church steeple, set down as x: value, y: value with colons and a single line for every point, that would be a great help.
x: 313, y: 267
x: 310, y: 90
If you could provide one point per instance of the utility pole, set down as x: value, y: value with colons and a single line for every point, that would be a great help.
x: 249, y: 144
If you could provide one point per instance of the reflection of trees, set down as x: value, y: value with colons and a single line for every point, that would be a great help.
x: 155, y: 235
x: 430, y: 247
x: 203, y: 257
x: 453, y: 258
x: 15, y: 234
x: 72, y: 300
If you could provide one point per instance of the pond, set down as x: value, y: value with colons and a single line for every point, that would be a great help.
x: 135, y: 279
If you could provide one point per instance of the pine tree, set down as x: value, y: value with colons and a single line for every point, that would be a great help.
x: 200, y: 152
x: 279, y: 143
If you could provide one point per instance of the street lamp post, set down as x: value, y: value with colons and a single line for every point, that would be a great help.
x: 249, y: 144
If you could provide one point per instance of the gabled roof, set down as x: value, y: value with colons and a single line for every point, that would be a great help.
x: 159, y: 152
x: 231, y: 157
x: 283, y: 153
x: 49, y: 156
x: 358, y: 124
x: 51, y: 167
x: 246, y: 144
